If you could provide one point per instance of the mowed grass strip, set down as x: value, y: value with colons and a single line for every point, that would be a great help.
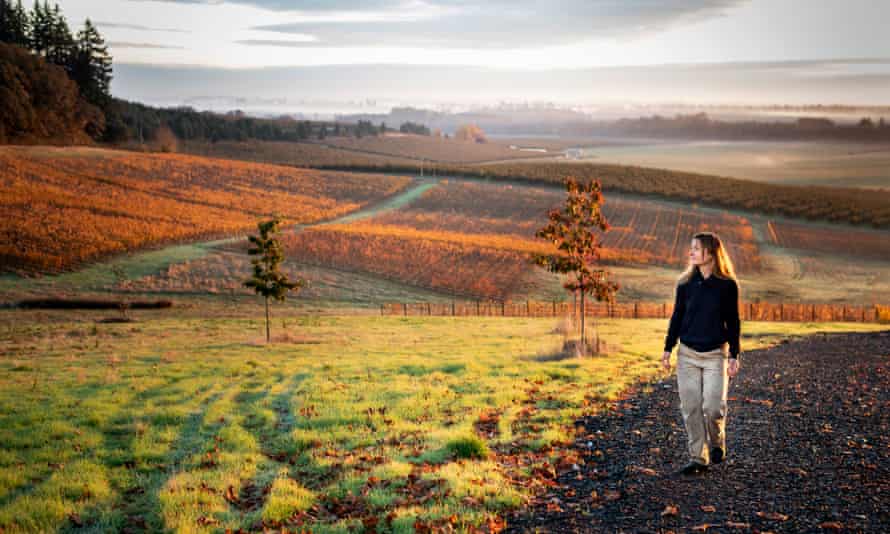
x: 198, y: 425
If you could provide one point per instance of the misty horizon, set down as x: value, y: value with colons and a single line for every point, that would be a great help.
x: 448, y: 53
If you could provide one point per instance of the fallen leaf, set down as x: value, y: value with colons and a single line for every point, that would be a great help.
x: 231, y: 496
x: 708, y: 508
x: 775, y: 516
x: 669, y: 510
x: 370, y: 523
x: 702, y: 527
x: 644, y: 470
x: 496, y: 524
x: 833, y: 525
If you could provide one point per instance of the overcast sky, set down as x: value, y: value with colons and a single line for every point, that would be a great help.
x: 810, y: 50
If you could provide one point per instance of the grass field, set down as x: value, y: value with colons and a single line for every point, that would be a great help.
x: 836, y: 164
x: 188, y: 421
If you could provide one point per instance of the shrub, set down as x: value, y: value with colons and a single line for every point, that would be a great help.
x: 468, y: 447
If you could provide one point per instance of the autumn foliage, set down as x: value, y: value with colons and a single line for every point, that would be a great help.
x: 39, y: 103
x: 64, y: 207
x: 857, y: 243
x: 475, y: 240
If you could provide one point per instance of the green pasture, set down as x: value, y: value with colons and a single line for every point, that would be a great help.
x: 147, y: 425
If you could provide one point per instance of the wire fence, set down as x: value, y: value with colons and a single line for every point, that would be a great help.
x: 748, y: 311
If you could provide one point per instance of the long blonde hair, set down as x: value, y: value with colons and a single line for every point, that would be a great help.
x: 722, y: 264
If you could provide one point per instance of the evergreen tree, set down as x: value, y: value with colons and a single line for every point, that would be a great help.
x: 60, y: 44
x: 267, y: 280
x: 21, y: 26
x: 41, y: 22
x: 91, y: 66
x: 14, y: 24
x: 6, y: 15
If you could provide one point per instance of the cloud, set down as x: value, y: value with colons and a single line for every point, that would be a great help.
x: 138, y: 27
x: 492, y: 24
x: 300, y: 5
x: 296, y: 43
x: 845, y: 81
x: 124, y: 44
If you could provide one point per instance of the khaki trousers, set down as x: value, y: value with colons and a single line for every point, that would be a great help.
x: 704, y: 382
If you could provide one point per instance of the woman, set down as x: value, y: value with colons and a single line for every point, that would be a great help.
x: 706, y: 322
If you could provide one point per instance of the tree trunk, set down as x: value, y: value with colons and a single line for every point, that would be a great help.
x: 575, y: 306
x: 268, y: 337
x: 583, y: 341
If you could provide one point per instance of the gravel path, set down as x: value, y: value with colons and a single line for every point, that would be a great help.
x: 808, y: 450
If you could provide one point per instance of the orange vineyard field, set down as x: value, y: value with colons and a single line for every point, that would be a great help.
x: 830, y: 204
x: 835, y: 241
x: 474, y: 240
x: 296, y: 154
x: 641, y: 232
x: 64, y: 207
x: 432, y: 148
x: 833, y: 204
x: 468, y: 239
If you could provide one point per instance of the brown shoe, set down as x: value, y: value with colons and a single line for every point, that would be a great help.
x: 717, y: 455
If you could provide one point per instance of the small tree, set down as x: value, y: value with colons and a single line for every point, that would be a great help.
x: 570, y: 229
x: 267, y: 280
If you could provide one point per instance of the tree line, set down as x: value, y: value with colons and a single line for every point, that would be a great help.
x: 700, y: 125
x: 29, y: 114
x: 44, y: 31
x: 128, y: 121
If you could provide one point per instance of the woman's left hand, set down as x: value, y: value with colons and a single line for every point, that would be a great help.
x: 733, y: 366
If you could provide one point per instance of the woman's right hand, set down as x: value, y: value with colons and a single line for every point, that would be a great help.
x: 666, y: 360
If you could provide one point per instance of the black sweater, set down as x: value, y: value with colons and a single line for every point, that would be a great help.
x: 706, y: 314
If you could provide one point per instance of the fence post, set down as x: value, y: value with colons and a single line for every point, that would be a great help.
x: 429, y: 309
x: 554, y: 309
x: 844, y: 314
x: 477, y: 307
x: 381, y: 309
x: 503, y: 307
x: 528, y: 308
x: 452, y: 307
x: 405, y: 308
x: 635, y: 311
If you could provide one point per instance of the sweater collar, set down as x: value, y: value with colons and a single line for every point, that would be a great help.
x: 697, y: 275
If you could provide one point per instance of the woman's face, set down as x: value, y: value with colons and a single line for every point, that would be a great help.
x: 698, y: 255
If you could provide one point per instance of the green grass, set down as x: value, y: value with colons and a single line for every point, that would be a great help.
x: 148, y: 424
